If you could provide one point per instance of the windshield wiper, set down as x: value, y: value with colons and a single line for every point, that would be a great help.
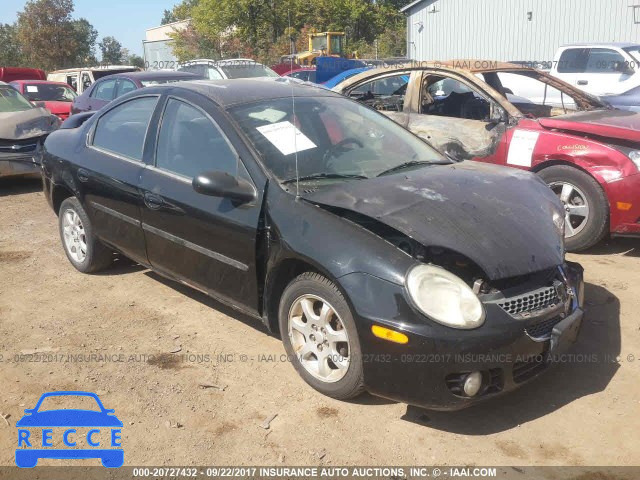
x: 404, y: 165
x: 316, y: 176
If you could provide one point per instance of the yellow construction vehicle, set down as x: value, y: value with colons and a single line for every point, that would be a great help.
x: 329, y: 44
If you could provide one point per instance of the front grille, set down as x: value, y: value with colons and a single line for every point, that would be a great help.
x: 542, y: 330
x: 531, y: 301
x: 18, y: 146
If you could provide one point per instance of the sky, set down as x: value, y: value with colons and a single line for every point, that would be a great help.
x: 126, y: 20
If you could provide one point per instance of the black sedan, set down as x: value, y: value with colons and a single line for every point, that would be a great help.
x: 113, y: 86
x: 383, y: 265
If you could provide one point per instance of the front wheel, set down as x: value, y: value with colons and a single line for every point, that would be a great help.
x: 585, y: 203
x: 320, y: 336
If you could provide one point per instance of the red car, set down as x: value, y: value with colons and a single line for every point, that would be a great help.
x: 54, y: 96
x: 587, y: 152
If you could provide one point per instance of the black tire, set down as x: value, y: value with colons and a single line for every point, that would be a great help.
x: 352, y: 383
x: 597, y: 223
x: 98, y: 256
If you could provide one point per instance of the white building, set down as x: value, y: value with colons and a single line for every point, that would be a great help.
x: 157, y: 46
x: 517, y: 30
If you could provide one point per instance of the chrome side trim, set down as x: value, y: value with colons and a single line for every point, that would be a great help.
x: 121, y: 216
x: 197, y: 248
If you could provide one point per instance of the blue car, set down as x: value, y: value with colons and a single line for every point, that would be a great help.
x: 332, y: 82
x: 629, y: 100
x: 70, y: 419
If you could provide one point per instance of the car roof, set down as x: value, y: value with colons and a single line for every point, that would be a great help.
x: 154, y: 75
x: 602, y: 44
x: 223, y: 61
x: 246, y: 90
x: 49, y: 82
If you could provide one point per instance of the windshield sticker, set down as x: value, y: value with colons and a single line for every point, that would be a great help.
x: 521, y: 148
x: 32, y: 89
x: 270, y: 115
x: 286, y: 137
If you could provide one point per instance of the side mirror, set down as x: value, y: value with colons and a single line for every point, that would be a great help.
x: 221, y: 184
x: 498, y: 115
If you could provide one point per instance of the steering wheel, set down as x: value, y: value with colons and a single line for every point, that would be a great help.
x: 340, y: 147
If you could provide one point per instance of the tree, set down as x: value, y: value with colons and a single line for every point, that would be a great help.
x: 10, y: 50
x: 111, y: 51
x: 46, y: 33
x: 168, y: 17
x: 86, y: 37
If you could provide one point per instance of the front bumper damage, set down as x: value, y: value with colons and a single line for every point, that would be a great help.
x: 18, y: 158
x: 509, y: 350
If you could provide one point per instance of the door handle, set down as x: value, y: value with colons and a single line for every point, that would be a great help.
x: 153, y: 201
x: 83, y: 175
x: 583, y: 82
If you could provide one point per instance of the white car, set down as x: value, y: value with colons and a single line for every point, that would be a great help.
x: 230, y: 68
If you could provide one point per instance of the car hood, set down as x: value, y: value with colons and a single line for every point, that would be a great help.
x: 501, y: 218
x: 58, y: 107
x: 27, y: 124
x: 620, y: 124
x: 69, y: 418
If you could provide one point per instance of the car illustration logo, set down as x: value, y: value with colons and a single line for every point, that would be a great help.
x: 103, y: 429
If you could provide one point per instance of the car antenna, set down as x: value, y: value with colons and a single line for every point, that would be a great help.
x: 293, y: 104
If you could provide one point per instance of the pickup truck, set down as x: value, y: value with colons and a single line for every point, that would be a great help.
x: 600, y: 69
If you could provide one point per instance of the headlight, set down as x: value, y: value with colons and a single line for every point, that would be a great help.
x: 634, y: 155
x: 443, y: 297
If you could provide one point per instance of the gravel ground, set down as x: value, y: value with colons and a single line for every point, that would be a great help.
x: 205, y: 404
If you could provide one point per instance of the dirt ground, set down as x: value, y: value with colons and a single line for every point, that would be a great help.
x: 580, y: 413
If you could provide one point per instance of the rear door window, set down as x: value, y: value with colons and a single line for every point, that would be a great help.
x: 124, y: 86
x: 573, y: 60
x: 122, y: 130
x: 104, y: 90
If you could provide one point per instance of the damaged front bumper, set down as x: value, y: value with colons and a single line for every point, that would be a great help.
x: 430, y: 371
x: 20, y: 158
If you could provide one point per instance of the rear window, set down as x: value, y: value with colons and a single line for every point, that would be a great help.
x: 247, y: 70
x: 12, y: 101
x: 46, y: 92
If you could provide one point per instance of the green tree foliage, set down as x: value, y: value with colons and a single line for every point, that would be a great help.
x: 46, y: 33
x: 264, y: 29
x: 86, y: 36
x: 111, y: 51
x: 10, y: 50
x: 168, y: 17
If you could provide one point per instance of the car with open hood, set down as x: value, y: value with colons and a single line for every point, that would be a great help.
x: 587, y: 152
x: 384, y: 265
x: 23, y: 128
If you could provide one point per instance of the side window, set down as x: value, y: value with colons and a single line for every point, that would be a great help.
x: 604, y: 60
x: 189, y: 143
x: 104, y: 90
x: 448, y: 97
x: 86, y: 81
x: 385, y: 93
x: 72, y: 81
x: 124, y: 86
x: 122, y: 130
x: 212, y: 74
x: 573, y: 60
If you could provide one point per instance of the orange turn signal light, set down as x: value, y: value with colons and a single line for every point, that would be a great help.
x: 389, y: 335
x: 624, y: 206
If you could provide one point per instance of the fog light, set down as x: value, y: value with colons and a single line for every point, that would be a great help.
x: 472, y: 384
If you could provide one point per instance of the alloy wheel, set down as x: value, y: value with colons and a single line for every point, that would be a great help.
x: 74, y: 235
x: 319, y: 338
x: 576, y: 207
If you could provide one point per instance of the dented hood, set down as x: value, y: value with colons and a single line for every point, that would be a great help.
x: 620, y: 124
x: 34, y: 122
x: 501, y: 218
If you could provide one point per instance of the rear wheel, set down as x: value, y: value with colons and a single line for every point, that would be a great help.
x: 83, y: 249
x: 585, y: 203
x: 320, y: 336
